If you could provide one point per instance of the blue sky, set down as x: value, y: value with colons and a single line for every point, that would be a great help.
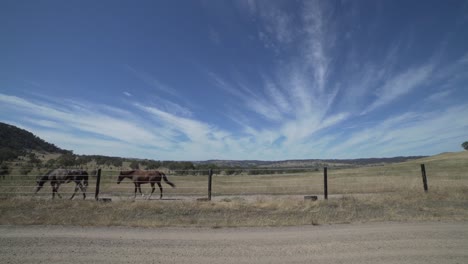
x: 268, y: 80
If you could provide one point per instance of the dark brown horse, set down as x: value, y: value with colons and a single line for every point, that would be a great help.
x: 59, y: 176
x: 143, y: 176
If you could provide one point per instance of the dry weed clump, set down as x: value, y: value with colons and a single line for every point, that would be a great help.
x: 409, y: 205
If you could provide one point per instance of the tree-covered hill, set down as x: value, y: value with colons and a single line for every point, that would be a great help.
x: 15, y: 142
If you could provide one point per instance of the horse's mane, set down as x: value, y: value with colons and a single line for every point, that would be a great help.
x: 127, y: 172
x: 41, y: 179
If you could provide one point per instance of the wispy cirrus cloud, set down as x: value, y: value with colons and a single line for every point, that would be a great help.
x: 401, y: 84
x: 293, y: 101
x: 74, y: 117
x: 317, y: 23
x: 152, y: 82
x: 170, y: 136
x: 410, y: 133
x: 300, y: 98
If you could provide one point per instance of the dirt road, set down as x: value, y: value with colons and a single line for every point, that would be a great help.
x: 353, y: 243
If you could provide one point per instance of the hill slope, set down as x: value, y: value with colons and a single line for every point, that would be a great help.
x: 15, y: 141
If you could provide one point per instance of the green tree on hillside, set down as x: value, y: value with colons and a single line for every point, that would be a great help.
x: 152, y: 164
x: 4, y: 170
x: 134, y: 165
x: 34, y: 160
x: 465, y: 145
x: 66, y: 160
x: 25, y: 170
x: 50, y: 163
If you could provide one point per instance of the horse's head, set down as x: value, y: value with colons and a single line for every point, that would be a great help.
x: 40, y: 180
x: 121, y: 177
x: 125, y: 174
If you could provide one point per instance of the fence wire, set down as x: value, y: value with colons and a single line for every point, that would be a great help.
x: 272, y: 181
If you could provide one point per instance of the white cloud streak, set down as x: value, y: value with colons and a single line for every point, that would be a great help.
x: 407, y: 134
x: 80, y: 119
x: 400, y: 85
x: 152, y: 82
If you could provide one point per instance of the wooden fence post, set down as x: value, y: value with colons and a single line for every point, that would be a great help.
x: 424, y: 178
x: 210, y: 178
x: 325, y: 183
x: 98, y: 184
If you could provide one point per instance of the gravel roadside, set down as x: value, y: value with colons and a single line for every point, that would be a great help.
x: 435, y: 242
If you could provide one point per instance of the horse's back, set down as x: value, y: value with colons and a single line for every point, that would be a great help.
x: 145, y: 176
x: 79, y: 176
x: 58, y: 175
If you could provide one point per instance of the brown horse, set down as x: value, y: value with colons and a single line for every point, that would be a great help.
x: 143, y: 176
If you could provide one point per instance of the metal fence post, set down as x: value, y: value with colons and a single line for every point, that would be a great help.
x: 210, y: 178
x: 98, y: 184
x: 424, y: 178
x: 325, y: 183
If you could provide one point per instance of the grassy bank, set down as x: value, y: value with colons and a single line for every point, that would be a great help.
x: 415, y: 205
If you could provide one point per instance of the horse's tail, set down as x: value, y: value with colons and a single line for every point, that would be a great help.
x: 166, y: 180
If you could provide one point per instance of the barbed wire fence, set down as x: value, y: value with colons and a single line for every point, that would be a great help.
x: 20, y: 181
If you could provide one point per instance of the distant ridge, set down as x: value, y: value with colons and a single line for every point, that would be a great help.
x: 298, y: 163
x: 16, y: 142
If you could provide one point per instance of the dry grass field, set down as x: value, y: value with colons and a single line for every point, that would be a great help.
x: 392, y: 192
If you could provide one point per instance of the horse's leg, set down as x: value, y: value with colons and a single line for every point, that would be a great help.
x: 37, y: 189
x: 76, y: 189
x: 52, y: 184
x: 139, y: 189
x: 160, y: 189
x: 152, y: 190
x: 83, y: 189
x: 135, y: 190
x: 56, y: 190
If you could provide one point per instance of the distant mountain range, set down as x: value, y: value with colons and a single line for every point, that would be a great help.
x: 15, y: 142
x: 307, y: 162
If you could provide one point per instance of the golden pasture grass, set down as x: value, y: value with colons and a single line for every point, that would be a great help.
x: 438, y: 204
x: 444, y: 171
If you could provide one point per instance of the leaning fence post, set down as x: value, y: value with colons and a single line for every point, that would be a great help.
x: 98, y: 184
x: 325, y: 183
x: 210, y: 178
x: 424, y: 178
